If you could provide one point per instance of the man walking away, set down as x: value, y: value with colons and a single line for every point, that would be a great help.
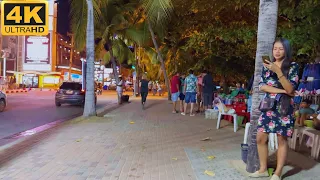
x: 207, y: 90
x: 190, y: 88
x: 182, y: 94
x: 175, y: 83
x: 144, y: 90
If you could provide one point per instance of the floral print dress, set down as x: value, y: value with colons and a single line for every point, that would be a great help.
x: 271, y: 121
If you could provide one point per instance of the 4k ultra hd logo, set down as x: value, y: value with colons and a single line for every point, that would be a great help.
x: 22, y: 18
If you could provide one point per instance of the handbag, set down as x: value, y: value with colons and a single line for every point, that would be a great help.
x: 267, y: 104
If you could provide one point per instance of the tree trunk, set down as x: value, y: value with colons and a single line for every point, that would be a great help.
x: 115, y: 72
x: 163, y: 67
x: 114, y: 66
x: 90, y: 106
x: 267, y: 27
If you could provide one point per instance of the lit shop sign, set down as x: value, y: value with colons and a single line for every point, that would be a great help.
x: 37, y: 49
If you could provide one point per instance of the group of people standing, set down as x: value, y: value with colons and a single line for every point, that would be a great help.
x: 190, y: 90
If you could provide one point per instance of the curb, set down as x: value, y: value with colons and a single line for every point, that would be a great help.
x: 12, y: 140
x: 16, y: 91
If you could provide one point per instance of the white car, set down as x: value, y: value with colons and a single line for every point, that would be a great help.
x: 3, y: 101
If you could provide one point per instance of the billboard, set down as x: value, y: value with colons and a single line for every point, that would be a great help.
x: 10, y: 45
x: 37, y: 49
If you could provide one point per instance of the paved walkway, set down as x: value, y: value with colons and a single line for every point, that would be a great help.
x: 130, y: 143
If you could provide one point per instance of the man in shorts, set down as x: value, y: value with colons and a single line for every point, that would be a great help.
x: 182, y: 95
x: 190, y: 88
x: 175, y: 86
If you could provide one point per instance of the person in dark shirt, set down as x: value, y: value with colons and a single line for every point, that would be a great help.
x: 144, y: 90
x: 207, y: 90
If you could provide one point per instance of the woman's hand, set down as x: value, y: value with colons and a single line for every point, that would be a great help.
x: 272, y: 67
x: 291, y: 94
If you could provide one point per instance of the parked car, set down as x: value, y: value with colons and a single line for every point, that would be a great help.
x: 71, y: 93
x: 3, y: 101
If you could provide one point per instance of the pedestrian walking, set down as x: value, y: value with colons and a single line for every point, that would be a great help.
x: 190, y: 88
x: 175, y: 83
x: 144, y: 90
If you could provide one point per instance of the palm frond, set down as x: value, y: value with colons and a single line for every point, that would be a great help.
x: 152, y: 55
x: 158, y: 11
x: 106, y: 57
x: 139, y: 36
x: 121, y: 50
x: 78, y: 16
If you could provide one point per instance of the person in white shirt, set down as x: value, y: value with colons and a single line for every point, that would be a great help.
x: 120, y: 89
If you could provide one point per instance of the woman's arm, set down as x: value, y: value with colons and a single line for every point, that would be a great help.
x: 289, y: 84
x: 285, y: 83
x: 272, y: 90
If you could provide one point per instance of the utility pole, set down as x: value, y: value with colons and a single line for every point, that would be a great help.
x: 71, y: 54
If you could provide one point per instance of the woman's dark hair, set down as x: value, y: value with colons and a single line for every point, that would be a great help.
x: 190, y: 71
x: 285, y: 68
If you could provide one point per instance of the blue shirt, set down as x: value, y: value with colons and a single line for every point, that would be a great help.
x: 191, y: 82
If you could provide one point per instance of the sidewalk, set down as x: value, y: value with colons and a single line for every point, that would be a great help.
x: 130, y: 143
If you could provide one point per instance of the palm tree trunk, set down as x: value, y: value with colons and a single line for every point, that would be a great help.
x: 90, y: 106
x: 163, y: 67
x: 267, y: 28
x: 114, y: 65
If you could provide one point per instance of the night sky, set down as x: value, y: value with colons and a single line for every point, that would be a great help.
x: 63, y: 17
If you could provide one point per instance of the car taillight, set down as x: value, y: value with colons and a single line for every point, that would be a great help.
x: 82, y: 91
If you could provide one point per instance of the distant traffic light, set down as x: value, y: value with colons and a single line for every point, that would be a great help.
x: 133, y: 67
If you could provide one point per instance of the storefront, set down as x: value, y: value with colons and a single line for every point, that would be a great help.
x: 50, y: 80
x: 74, y: 77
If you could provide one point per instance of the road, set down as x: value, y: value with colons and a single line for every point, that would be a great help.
x: 29, y: 110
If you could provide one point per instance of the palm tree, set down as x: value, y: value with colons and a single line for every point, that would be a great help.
x: 158, y: 12
x: 112, y: 28
x: 90, y: 105
x: 83, y: 29
x: 267, y: 27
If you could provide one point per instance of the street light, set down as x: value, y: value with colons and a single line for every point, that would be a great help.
x: 4, y: 56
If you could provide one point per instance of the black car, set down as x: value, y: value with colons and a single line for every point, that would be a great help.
x: 71, y: 93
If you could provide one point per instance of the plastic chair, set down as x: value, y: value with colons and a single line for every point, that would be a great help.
x: 235, y: 123
x: 292, y: 142
x: 314, y: 134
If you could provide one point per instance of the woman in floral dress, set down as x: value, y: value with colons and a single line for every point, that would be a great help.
x: 279, y: 79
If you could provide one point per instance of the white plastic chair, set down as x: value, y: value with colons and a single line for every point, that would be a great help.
x: 315, y: 135
x: 235, y: 123
x: 292, y: 142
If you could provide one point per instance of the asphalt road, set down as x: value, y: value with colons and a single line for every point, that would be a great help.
x: 29, y: 110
